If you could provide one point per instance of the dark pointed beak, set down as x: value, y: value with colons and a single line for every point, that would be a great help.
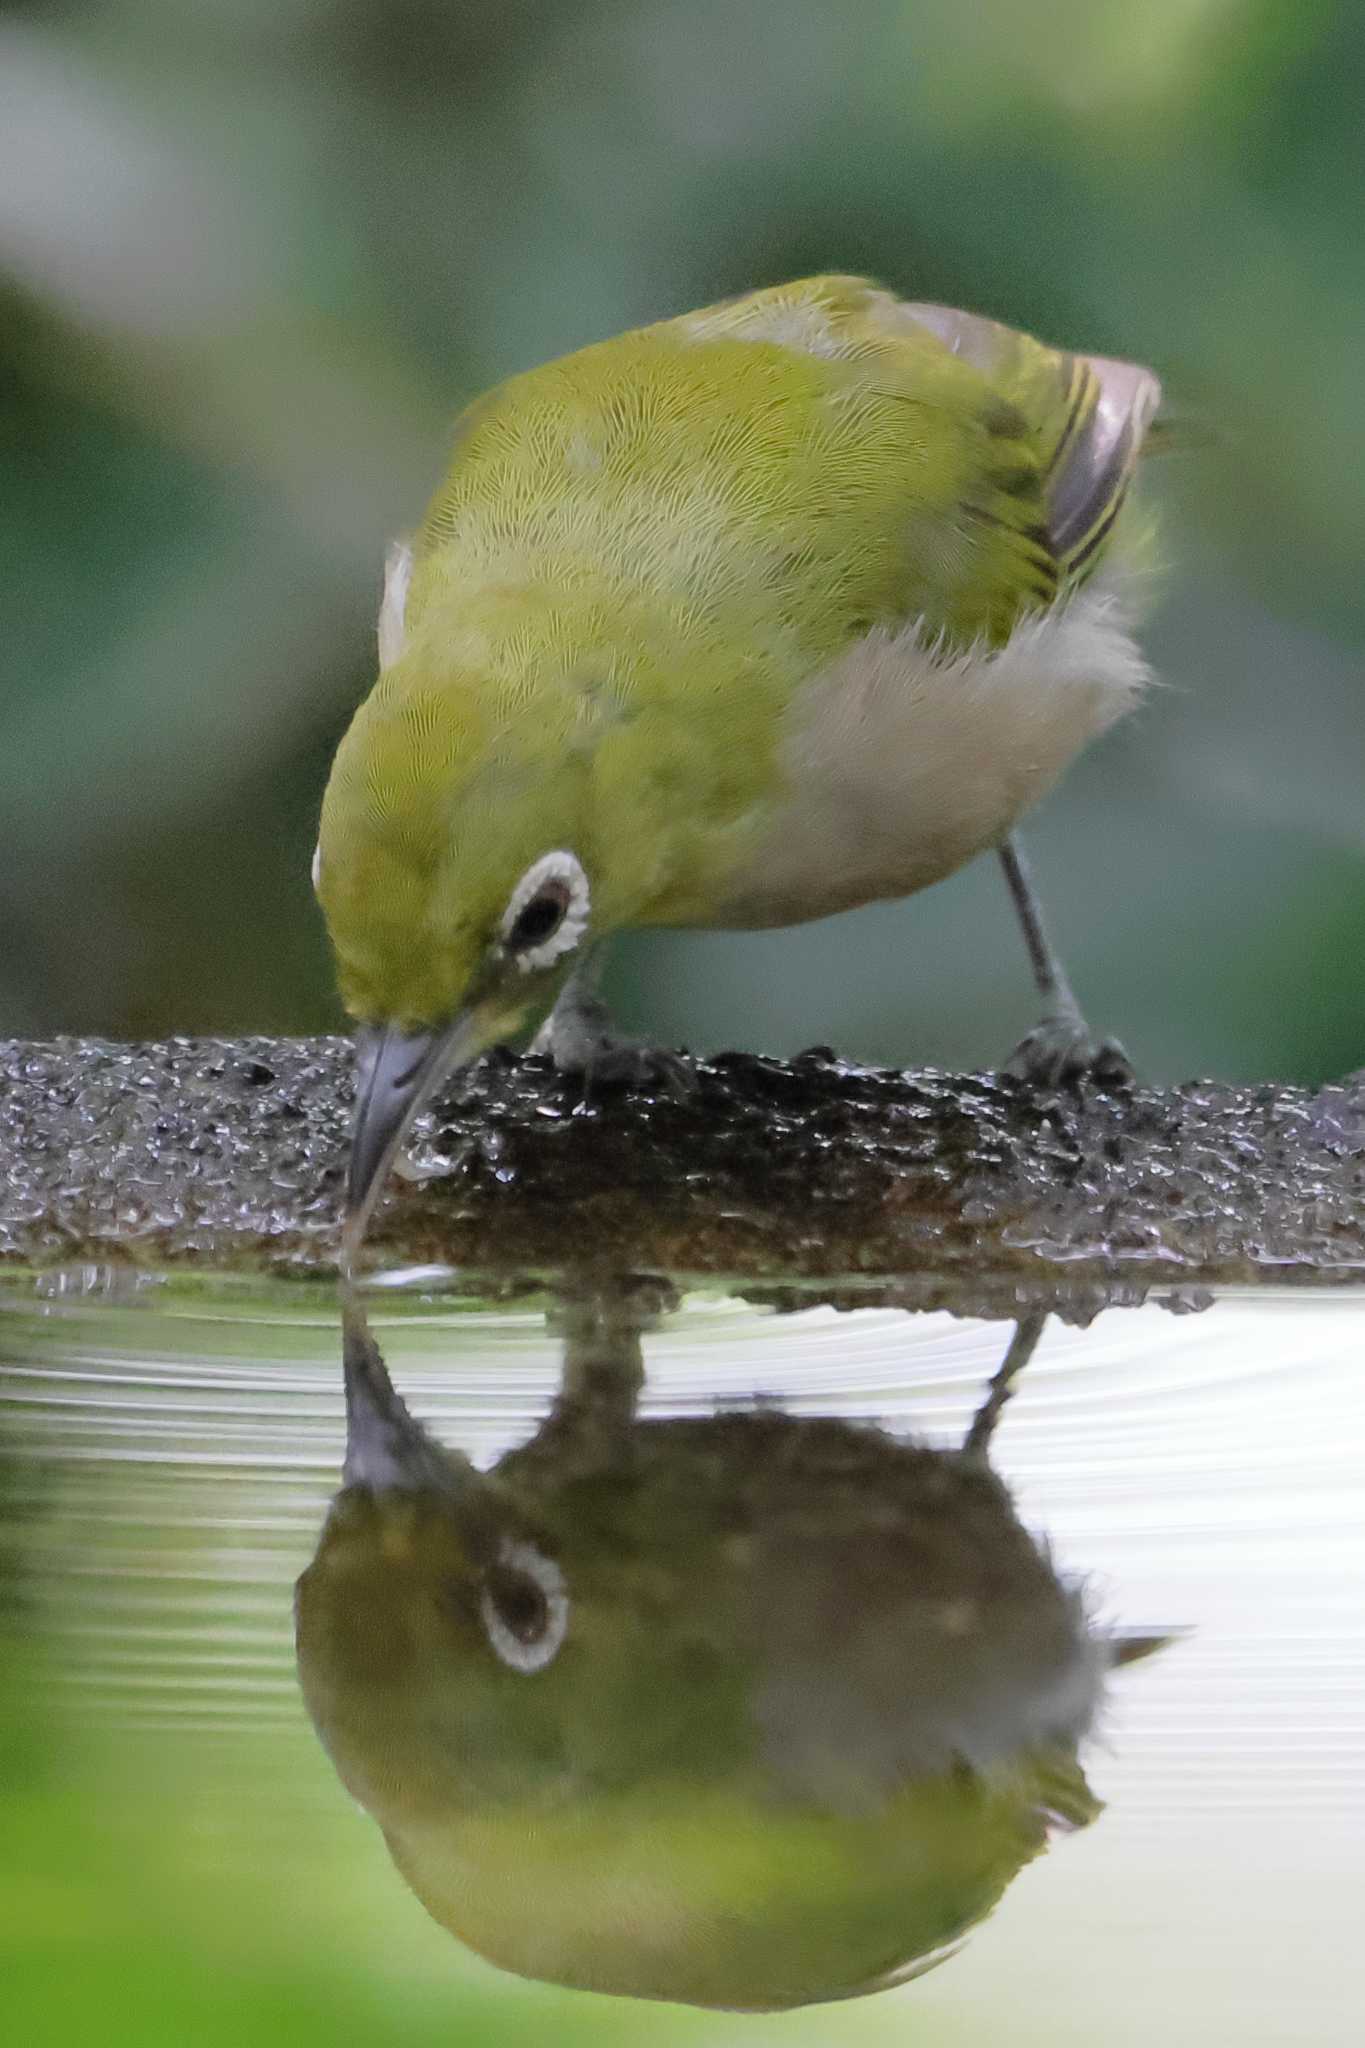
x: 387, y: 1449
x: 396, y: 1073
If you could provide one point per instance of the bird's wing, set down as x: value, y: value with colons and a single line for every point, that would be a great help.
x: 1029, y: 450
x: 884, y: 461
x: 1085, y: 415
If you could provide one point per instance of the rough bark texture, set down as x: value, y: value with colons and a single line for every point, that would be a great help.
x: 933, y: 1190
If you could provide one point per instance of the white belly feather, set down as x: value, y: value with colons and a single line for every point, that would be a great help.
x: 904, y: 759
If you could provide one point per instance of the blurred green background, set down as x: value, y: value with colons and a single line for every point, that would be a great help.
x: 255, y: 254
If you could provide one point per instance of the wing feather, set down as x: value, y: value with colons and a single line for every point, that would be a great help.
x: 1086, y: 415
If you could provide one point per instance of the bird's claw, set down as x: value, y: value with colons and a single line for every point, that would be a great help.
x: 583, y: 1043
x: 628, y: 1063
x: 1060, y: 1053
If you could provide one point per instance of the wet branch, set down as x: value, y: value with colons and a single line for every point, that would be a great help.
x: 933, y: 1190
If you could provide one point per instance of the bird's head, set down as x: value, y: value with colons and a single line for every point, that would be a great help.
x: 458, y: 895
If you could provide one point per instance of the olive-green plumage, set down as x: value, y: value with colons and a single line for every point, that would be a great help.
x: 643, y: 562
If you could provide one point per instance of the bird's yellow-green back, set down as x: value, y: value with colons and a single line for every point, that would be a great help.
x: 818, y: 457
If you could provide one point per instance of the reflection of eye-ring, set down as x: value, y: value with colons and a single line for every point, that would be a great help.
x: 525, y: 1606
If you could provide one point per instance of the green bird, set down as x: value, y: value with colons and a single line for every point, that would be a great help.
x: 746, y: 1711
x: 741, y: 619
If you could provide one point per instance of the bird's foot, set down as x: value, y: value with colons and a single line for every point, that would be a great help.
x: 1060, y: 1053
x: 581, y: 1039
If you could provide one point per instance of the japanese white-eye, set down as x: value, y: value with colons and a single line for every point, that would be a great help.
x: 746, y: 1711
x: 738, y: 620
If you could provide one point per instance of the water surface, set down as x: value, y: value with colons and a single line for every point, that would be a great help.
x: 170, y: 1451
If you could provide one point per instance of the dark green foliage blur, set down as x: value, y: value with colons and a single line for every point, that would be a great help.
x: 254, y: 254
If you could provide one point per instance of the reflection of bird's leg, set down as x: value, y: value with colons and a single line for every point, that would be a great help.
x: 1060, y: 1048
x: 603, y: 1367
x: 1023, y: 1344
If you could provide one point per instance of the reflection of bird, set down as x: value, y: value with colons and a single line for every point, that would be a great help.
x: 752, y: 616
x: 747, y: 1711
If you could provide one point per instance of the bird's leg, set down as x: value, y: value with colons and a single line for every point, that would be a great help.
x: 1023, y: 1344
x: 579, y: 1024
x: 1059, y: 1050
x: 581, y: 1039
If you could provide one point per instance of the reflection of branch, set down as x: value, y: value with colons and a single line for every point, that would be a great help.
x: 973, y: 1193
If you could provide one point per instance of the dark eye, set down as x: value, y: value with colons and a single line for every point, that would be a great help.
x: 547, y: 912
x: 525, y: 1607
x: 520, y: 1602
x: 542, y: 916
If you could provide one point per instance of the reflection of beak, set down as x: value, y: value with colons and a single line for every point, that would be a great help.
x: 387, y: 1449
x: 396, y: 1073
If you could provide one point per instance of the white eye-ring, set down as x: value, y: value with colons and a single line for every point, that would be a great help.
x: 316, y: 869
x: 524, y: 1604
x: 547, y: 913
